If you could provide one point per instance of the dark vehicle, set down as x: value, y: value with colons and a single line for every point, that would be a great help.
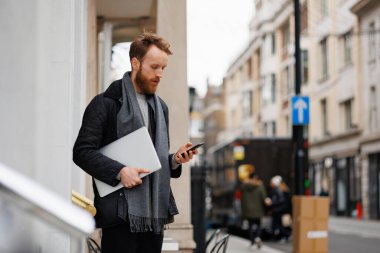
x: 231, y: 162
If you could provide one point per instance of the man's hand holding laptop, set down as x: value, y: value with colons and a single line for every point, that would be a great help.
x: 130, y: 176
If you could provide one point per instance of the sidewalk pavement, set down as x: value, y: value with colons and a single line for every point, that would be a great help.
x: 341, y: 225
x: 364, y: 228
x: 240, y: 245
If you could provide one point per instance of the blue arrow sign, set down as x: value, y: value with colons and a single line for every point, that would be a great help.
x: 300, y: 110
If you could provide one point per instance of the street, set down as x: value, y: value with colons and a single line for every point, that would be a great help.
x: 346, y: 235
x: 339, y: 243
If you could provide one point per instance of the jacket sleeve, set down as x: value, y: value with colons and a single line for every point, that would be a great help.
x: 90, y: 139
x: 263, y: 193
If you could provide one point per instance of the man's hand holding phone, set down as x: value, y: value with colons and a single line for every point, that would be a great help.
x: 186, y: 152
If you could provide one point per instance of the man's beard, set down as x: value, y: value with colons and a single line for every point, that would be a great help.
x: 143, y: 83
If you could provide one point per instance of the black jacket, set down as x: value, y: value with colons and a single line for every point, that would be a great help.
x: 279, y: 202
x: 99, y: 129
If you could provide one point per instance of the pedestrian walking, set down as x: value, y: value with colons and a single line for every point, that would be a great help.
x: 132, y: 218
x: 286, y: 217
x: 253, y: 207
x: 277, y: 202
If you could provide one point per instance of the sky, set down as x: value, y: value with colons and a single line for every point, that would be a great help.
x: 217, y: 31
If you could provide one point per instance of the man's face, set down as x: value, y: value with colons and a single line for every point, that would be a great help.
x: 150, y: 70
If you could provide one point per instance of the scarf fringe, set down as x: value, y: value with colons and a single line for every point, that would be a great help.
x: 145, y: 224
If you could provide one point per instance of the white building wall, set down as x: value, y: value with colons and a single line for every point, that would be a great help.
x: 171, y: 24
x: 42, y: 86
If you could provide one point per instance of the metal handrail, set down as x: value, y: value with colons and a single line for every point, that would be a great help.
x: 38, y: 201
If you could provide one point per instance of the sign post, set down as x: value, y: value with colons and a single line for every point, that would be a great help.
x: 300, y: 106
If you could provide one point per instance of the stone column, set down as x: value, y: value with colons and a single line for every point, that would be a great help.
x: 171, y: 24
x: 105, y: 51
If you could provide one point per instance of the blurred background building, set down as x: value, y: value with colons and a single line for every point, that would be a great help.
x: 340, y: 43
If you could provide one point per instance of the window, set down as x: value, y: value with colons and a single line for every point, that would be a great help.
x: 249, y: 63
x: 265, y: 129
x: 260, y: 100
x: 273, y: 47
x: 305, y: 66
x: 286, y: 35
x: 242, y: 75
x: 372, y: 42
x: 324, y: 60
x: 247, y: 104
x: 269, y: 89
x: 355, y: 179
x: 274, y: 130
x: 324, y: 8
x: 287, y: 125
x: 373, y: 120
x: 347, y: 47
x: 289, y: 80
x: 347, y: 107
x: 273, y: 88
x: 324, y: 117
x: 304, y: 17
x: 269, y: 128
x: 262, y: 49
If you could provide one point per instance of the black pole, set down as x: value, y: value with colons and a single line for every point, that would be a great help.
x: 298, y: 129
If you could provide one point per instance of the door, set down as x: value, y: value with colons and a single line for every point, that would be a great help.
x: 373, y: 188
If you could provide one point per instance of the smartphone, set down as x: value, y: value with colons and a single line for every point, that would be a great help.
x: 192, y: 148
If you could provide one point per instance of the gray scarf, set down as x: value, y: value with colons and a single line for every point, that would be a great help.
x: 148, y: 203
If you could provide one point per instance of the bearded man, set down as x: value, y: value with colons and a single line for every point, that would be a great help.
x: 132, y: 218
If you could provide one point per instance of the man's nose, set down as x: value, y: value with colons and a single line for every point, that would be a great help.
x: 159, y: 73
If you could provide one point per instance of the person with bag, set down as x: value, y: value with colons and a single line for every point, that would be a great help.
x: 253, y: 207
x: 286, y: 218
x: 277, y: 202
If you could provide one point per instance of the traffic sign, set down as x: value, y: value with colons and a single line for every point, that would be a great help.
x: 300, y: 110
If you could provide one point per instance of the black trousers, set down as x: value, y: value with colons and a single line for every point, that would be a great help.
x: 278, y: 229
x: 119, y: 239
x: 254, y: 229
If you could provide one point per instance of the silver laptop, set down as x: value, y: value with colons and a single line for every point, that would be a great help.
x: 133, y: 150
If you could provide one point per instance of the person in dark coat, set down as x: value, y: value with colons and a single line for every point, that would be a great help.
x: 286, y: 217
x: 252, y: 205
x: 132, y: 218
x: 278, y: 203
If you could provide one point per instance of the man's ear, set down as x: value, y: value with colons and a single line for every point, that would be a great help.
x: 135, y: 63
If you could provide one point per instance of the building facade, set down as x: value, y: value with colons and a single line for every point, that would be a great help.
x: 335, y: 126
x: 368, y: 27
x: 340, y: 69
x: 213, y: 114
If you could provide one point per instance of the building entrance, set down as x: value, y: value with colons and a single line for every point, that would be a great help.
x: 373, y: 188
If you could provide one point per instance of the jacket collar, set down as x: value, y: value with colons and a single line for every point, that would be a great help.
x: 114, y: 90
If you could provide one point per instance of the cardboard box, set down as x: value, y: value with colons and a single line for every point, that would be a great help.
x: 310, y: 224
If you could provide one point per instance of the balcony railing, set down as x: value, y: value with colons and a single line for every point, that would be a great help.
x: 34, y: 219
